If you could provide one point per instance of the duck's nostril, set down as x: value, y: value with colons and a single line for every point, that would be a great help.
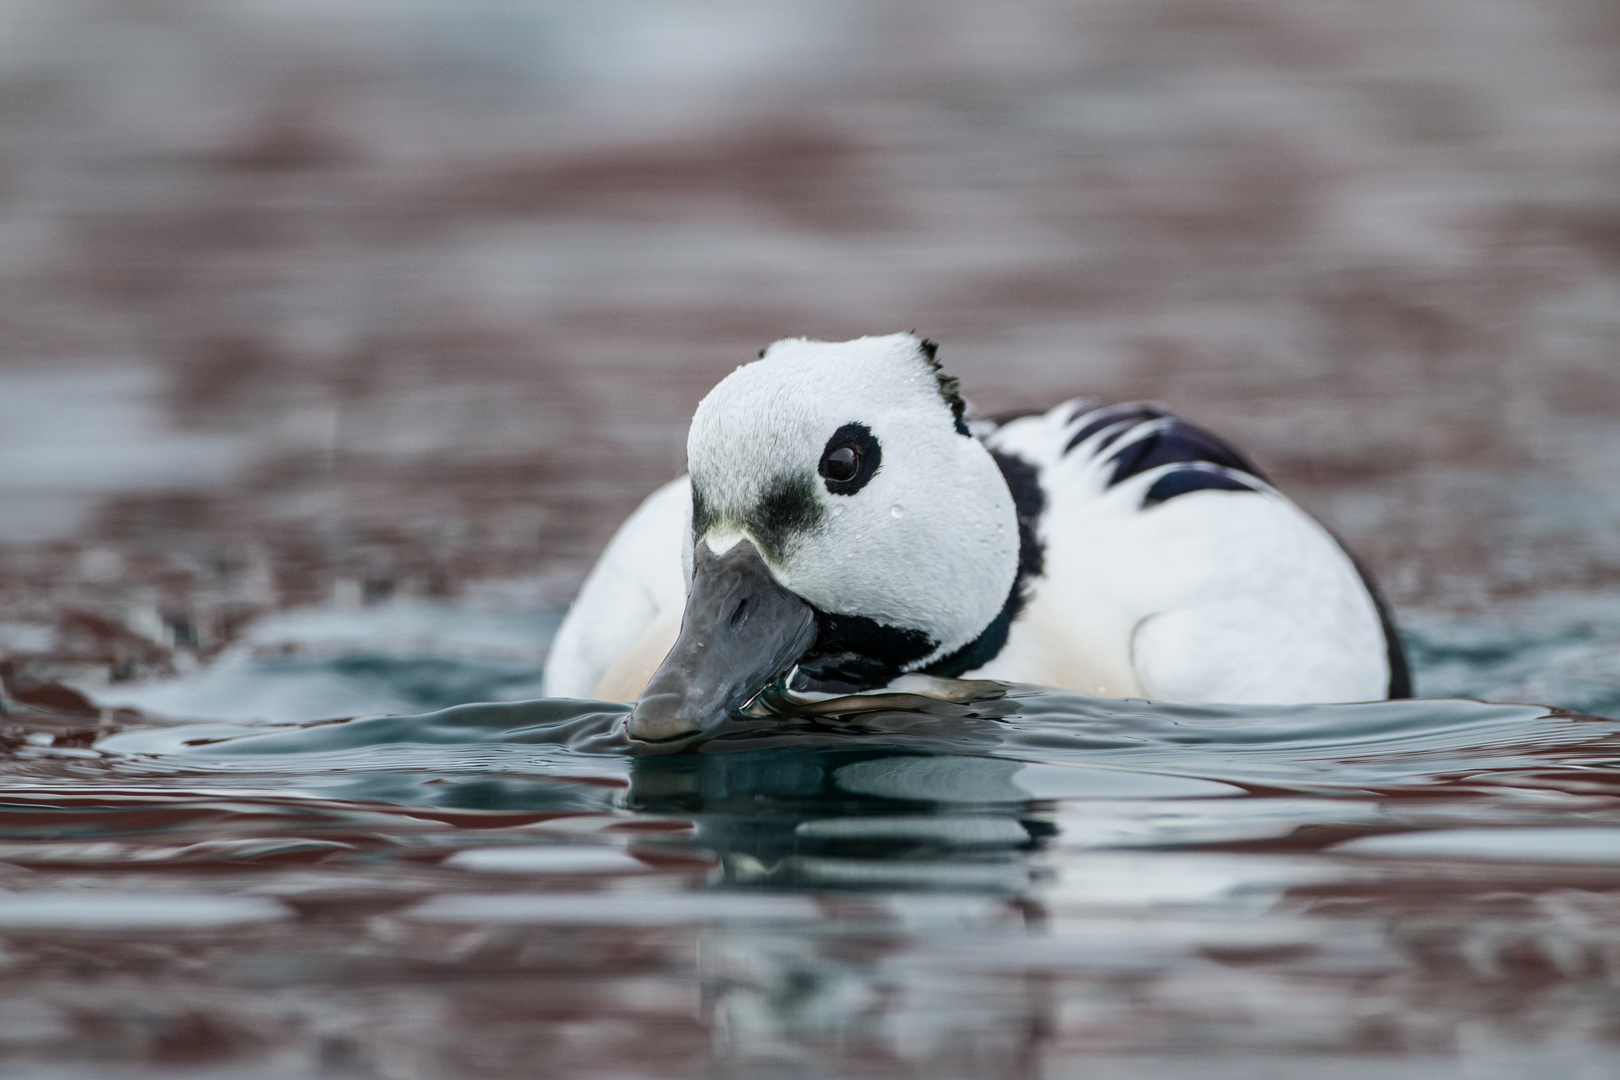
x: 740, y: 616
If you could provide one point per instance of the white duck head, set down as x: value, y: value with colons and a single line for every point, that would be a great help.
x: 844, y: 523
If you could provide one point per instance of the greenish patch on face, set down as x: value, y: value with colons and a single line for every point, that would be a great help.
x: 702, y: 516
x: 788, y: 507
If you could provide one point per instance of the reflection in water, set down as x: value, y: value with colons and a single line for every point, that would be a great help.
x: 944, y: 890
x: 798, y: 818
x: 911, y: 868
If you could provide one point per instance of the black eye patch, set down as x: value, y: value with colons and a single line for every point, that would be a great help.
x: 851, y: 457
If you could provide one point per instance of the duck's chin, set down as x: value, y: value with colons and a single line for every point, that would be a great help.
x: 793, y: 697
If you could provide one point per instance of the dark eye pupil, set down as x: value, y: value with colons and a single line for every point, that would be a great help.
x: 841, y: 464
x: 850, y: 458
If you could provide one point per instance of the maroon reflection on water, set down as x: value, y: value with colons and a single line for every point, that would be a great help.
x: 859, y: 894
x: 343, y: 306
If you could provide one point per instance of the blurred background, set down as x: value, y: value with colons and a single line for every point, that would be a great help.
x: 336, y: 336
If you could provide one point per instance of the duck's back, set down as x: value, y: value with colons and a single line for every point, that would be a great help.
x: 1171, y: 569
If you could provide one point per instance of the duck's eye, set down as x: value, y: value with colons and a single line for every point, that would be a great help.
x: 851, y: 457
x: 841, y: 463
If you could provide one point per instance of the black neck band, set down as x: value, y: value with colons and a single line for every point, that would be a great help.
x: 1028, y: 501
x: 854, y: 653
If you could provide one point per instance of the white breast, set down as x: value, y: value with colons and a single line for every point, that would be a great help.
x: 629, y: 609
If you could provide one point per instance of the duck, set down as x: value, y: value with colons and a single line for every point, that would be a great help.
x: 849, y: 525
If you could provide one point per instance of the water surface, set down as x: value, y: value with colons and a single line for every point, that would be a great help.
x: 1033, y: 884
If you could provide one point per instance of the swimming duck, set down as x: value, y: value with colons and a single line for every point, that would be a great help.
x: 847, y: 525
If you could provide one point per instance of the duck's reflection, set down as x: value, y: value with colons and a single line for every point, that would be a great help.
x: 839, y: 1003
x: 922, y: 849
x: 851, y: 818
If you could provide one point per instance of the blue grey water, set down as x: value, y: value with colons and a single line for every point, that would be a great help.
x: 1029, y: 884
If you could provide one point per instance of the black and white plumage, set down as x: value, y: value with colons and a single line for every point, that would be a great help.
x: 1112, y: 550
